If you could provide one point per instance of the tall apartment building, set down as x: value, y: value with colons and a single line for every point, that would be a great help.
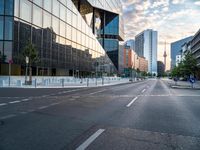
x: 146, y: 46
x: 71, y: 36
x: 176, y: 48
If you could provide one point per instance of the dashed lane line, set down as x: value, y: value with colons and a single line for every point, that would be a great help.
x: 96, y: 92
x: 132, y: 102
x: 3, y: 104
x: 143, y: 90
x: 7, y: 116
x: 13, y: 102
x: 25, y: 100
x: 85, y: 144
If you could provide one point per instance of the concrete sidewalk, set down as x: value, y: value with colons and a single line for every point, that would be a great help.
x: 184, y: 84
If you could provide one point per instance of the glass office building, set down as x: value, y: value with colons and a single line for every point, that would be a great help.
x: 68, y: 35
x: 176, y: 49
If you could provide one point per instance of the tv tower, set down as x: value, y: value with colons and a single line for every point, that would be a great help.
x: 165, y: 56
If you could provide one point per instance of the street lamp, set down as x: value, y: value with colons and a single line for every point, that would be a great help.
x: 27, y: 61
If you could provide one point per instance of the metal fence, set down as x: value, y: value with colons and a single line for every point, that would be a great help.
x: 59, y: 82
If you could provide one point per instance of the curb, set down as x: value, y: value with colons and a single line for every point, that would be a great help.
x: 182, y: 87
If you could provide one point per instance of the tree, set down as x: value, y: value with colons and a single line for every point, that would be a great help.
x: 188, y: 66
x: 30, y: 52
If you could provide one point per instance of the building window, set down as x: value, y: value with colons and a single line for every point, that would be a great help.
x: 55, y: 25
x: 47, y: 5
x: 1, y: 7
x: 56, y: 8
x: 9, y: 7
x: 1, y: 27
x: 62, y: 12
x: 62, y: 28
x: 25, y: 10
x: 46, y: 20
x: 38, y: 2
x: 8, y: 28
x: 37, y: 16
x: 8, y: 51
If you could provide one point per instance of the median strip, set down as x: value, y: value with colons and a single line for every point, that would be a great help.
x: 85, y: 144
x: 132, y: 102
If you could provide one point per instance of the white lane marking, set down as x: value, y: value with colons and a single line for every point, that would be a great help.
x: 96, y: 92
x: 3, y: 104
x: 85, y: 144
x: 132, y: 102
x: 31, y: 110
x: 54, y: 104
x: 13, y: 102
x: 24, y: 100
x: 23, y: 112
x: 43, y: 107
x: 143, y: 90
x: 8, y: 116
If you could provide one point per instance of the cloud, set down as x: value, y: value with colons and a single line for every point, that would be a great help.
x: 173, y: 19
x: 197, y: 3
x: 178, y: 1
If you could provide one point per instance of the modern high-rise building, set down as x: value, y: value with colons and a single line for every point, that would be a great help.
x: 71, y: 36
x: 131, y: 44
x: 176, y: 49
x: 146, y: 46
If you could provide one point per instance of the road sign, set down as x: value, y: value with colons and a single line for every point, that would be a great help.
x: 192, y: 80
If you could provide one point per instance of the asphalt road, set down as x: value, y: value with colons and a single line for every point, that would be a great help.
x: 147, y: 115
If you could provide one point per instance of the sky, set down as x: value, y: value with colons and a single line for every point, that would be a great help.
x: 173, y: 19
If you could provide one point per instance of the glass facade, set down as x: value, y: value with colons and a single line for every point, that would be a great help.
x: 176, y: 49
x: 65, y: 42
x: 105, y: 18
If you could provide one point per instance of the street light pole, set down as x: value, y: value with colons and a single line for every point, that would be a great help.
x: 27, y: 61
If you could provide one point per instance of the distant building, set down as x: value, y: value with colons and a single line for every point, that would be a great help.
x: 146, y: 46
x: 131, y: 44
x: 195, y: 49
x: 133, y: 61
x: 161, y: 68
x: 178, y: 59
x: 143, y: 64
x: 176, y: 49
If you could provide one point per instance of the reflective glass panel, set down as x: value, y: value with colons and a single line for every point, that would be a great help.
x: 62, y: 12
x: 62, y: 28
x: 38, y: 2
x: 55, y: 25
x: 25, y: 10
x: 56, y: 8
x: 37, y: 16
x: 1, y: 27
x: 74, y: 34
x: 68, y: 31
x: 8, y: 28
x: 69, y: 16
x: 47, y: 5
x: 1, y: 7
x: 46, y: 20
x: 8, y: 51
x: 9, y: 7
